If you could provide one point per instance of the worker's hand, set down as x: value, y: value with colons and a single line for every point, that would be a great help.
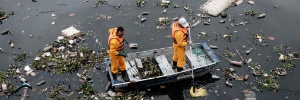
x: 122, y: 54
x: 190, y: 43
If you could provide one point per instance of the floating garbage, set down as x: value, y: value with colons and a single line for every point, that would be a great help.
x: 165, y: 3
x: 263, y: 15
x: 250, y: 95
x: 223, y: 14
x: 215, y: 7
x: 141, y: 3
x: 5, y: 32
x: 228, y: 84
x: 251, y: 2
x: 213, y: 47
x: 280, y: 71
x: 222, y: 21
x: 41, y: 83
x: 133, y: 45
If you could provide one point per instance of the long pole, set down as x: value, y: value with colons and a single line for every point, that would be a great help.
x: 191, y: 56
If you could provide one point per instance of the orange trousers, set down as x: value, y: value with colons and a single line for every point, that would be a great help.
x: 116, y: 62
x: 179, y: 56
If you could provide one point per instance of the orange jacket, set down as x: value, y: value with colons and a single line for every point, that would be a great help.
x: 180, y: 35
x: 115, y: 44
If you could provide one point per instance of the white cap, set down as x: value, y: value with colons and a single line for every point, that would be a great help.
x: 182, y: 21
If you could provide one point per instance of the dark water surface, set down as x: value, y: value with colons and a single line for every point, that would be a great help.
x: 30, y: 18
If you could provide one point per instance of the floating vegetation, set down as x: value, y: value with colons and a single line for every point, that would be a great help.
x: 141, y: 3
x: 150, y: 68
x: 251, y: 12
x: 229, y: 72
x: 65, y: 56
x: 281, y: 48
x: 256, y: 68
x: 20, y: 57
x: 58, y: 92
x: 13, y: 71
x: 132, y: 95
x: 269, y: 83
x: 288, y: 64
x: 102, y: 1
x: 228, y: 36
x: 202, y: 34
x: 3, y: 76
x: 163, y: 21
x: 164, y: 3
x: 2, y: 13
x: 87, y: 90
x: 260, y: 39
x: 229, y: 54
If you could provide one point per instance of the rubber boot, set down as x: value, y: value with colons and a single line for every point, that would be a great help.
x: 114, y: 76
x: 179, y: 69
x: 124, y: 76
x: 174, y: 64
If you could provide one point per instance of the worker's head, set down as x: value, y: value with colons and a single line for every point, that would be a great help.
x: 182, y: 23
x: 120, y: 32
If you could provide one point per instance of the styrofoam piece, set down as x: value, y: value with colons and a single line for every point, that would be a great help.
x: 70, y: 32
x: 215, y: 7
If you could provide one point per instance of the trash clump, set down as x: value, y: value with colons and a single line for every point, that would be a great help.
x: 58, y: 91
x: 163, y: 22
x: 87, y: 90
x: 164, y: 3
x: 269, y: 83
x: 132, y: 95
x: 256, y: 68
x: 141, y: 3
x: 20, y: 57
x: 259, y: 39
x: 67, y: 54
x: 150, y: 68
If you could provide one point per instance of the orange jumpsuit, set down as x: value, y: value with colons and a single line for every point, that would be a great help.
x: 115, y: 45
x: 180, y: 40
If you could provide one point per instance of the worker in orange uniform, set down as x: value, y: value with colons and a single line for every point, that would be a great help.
x: 180, y: 41
x: 116, y: 51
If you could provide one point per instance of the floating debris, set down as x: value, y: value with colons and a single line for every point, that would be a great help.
x: 251, y: 12
x: 269, y: 83
x: 5, y: 32
x: 87, y: 90
x: 228, y: 84
x: 280, y: 71
x: 222, y: 21
x: 41, y: 83
x: 165, y: 3
x: 141, y: 3
x: 256, y: 68
x: 251, y: 2
x: 150, y: 68
x: 247, y: 52
x: 260, y: 39
x: 223, y: 14
x: 196, y: 23
x: 263, y: 15
x: 65, y: 57
x: 213, y: 47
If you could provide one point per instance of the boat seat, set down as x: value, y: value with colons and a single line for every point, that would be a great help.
x: 164, y: 65
x: 132, y: 71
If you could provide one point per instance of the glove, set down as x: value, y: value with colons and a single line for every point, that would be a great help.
x: 122, y: 54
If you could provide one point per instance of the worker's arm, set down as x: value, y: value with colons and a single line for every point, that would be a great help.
x: 113, y: 47
x: 179, y: 36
